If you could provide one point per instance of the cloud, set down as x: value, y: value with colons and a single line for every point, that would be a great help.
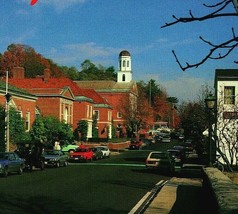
x: 185, y: 88
x: 60, y: 5
x: 72, y: 54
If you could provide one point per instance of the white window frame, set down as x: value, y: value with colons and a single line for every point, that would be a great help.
x: 119, y: 115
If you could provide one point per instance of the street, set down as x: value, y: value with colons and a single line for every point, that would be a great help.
x: 81, y: 188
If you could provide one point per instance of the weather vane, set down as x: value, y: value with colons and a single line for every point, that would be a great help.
x: 33, y: 2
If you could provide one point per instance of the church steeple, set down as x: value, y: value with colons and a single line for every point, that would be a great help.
x: 125, y: 73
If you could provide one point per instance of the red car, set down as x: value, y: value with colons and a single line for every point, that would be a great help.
x: 135, y: 144
x: 81, y: 154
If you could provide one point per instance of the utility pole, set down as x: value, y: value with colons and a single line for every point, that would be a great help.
x: 150, y: 95
x: 7, y: 97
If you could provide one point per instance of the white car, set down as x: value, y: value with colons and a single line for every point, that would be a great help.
x: 105, y: 151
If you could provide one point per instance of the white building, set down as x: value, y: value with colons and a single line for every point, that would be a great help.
x: 226, y: 87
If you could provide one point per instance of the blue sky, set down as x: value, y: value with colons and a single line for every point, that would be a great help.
x: 70, y: 31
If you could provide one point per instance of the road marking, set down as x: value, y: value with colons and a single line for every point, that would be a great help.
x: 107, y: 164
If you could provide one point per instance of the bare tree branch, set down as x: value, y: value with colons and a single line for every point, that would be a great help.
x: 214, y: 14
x: 222, y: 49
x: 227, y: 47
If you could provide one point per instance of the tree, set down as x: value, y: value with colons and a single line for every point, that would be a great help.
x: 151, y: 89
x: 19, y: 55
x: 95, y: 126
x: 217, y: 51
x: 70, y: 72
x: 82, y: 129
x: 226, y: 134
x: 91, y: 72
x: 49, y: 129
x: 16, y: 128
x: 133, y: 111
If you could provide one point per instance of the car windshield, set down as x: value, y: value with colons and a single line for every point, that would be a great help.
x: 102, y: 148
x: 158, y: 155
x: 3, y: 156
x: 81, y: 150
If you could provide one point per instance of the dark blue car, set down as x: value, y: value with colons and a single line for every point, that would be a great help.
x: 10, y: 162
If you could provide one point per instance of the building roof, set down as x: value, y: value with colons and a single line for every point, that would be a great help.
x: 108, y: 86
x: 56, y: 86
x: 225, y: 74
x: 124, y: 53
x: 13, y: 90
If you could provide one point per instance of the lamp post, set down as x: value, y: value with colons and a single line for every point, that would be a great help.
x: 210, y: 102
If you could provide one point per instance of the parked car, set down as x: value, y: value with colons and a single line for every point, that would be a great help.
x: 178, y: 156
x: 69, y: 147
x: 97, y: 153
x: 10, y: 162
x: 160, y: 160
x: 105, y: 151
x: 55, y: 158
x: 81, y: 154
x: 166, y: 139
x: 135, y: 145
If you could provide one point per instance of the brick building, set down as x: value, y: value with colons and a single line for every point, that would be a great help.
x: 63, y: 99
x: 21, y: 100
x: 116, y: 92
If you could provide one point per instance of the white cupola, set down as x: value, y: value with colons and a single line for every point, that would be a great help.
x: 125, y: 73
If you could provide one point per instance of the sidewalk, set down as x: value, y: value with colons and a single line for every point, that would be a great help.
x: 179, y: 195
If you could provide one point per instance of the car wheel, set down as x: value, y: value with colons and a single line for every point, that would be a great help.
x: 58, y: 164
x: 65, y: 163
x: 31, y: 167
x: 5, y: 172
x: 20, y: 171
x: 42, y: 165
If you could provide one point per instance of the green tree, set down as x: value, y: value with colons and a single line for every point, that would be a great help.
x: 38, y: 130
x: 70, y: 72
x: 90, y: 71
x: 49, y: 129
x: 16, y: 128
x: 95, y: 127
x: 151, y: 89
x: 82, y: 129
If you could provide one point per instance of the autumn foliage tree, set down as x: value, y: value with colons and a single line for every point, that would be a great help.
x: 18, y: 55
x: 136, y: 112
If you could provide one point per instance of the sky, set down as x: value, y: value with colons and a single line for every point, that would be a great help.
x: 71, y: 31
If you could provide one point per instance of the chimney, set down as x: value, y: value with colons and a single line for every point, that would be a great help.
x: 46, y: 74
x: 18, y: 73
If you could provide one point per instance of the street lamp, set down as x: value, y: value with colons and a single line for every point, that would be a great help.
x: 210, y: 102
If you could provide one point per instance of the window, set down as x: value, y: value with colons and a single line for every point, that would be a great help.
x: 124, y: 63
x: 123, y: 77
x: 128, y: 64
x: 66, y: 114
x: 229, y: 95
x: 91, y: 111
x: 87, y: 111
x: 27, y: 123
x: 119, y: 115
x: 96, y: 113
x: 109, y: 116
